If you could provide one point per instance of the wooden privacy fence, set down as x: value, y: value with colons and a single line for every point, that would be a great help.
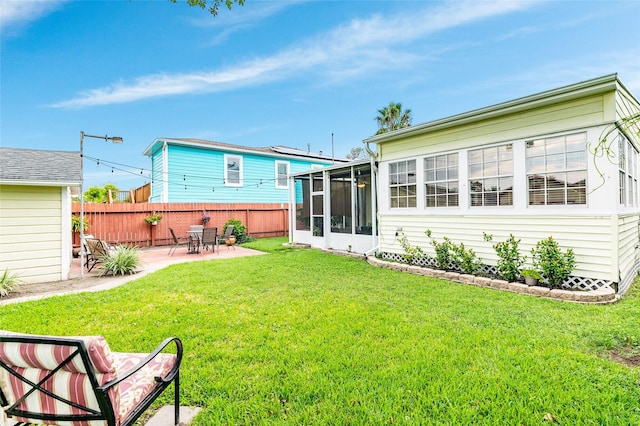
x: 124, y: 223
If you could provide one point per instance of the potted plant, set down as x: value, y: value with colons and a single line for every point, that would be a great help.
x: 531, y: 276
x: 76, y: 227
x: 153, y: 219
x: 205, y: 219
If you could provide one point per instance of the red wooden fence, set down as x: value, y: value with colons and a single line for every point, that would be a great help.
x: 124, y: 223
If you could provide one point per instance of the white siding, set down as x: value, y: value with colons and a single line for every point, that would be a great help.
x: 31, y: 232
x: 629, y: 252
x: 561, y: 117
x: 589, y: 237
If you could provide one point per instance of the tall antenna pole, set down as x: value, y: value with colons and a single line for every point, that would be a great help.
x: 333, y: 158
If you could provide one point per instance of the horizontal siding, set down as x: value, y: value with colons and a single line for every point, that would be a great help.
x: 197, y: 175
x: 156, y: 175
x: 569, y: 115
x: 629, y: 253
x: 31, y: 232
x: 589, y: 237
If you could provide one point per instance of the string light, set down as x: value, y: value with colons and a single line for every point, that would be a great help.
x: 133, y: 170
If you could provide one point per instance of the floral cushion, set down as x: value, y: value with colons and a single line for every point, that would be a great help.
x: 134, y: 388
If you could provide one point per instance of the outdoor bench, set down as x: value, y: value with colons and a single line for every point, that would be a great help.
x: 78, y: 380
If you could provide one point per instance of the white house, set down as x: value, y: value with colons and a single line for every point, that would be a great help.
x: 532, y: 167
x: 524, y: 167
x: 35, y: 212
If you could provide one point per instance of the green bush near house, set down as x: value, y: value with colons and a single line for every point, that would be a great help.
x: 509, y: 258
x: 554, y: 265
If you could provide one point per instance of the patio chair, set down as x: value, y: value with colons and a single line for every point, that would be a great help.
x: 224, y: 238
x: 177, y: 242
x: 195, y: 235
x: 96, y: 251
x: 79, y: 381
x: 210, y: 239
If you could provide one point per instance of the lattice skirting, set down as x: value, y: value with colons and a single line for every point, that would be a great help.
x: 571, y: 283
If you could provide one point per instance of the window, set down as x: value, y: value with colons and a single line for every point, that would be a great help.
x: 282, y: 174
x: 441, y: 180
x: 628, y: 172
x: 557, y: 170
x: 317, y: 205
x: 303, y: 203
x: 233, y: 170
x: 402, y: 184
x: 491, y: 176
x: 341, y: 217
x: 363, y: 215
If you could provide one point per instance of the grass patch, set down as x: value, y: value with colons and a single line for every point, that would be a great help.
x: 305, y: 337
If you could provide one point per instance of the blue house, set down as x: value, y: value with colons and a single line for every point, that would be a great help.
x: 193, y: 170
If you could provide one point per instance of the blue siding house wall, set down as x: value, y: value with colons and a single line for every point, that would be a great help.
x: 193, y: 170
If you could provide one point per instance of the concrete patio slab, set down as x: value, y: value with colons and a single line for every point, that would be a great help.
x: 165, y: 416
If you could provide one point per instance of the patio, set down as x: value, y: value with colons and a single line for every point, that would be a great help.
x: 153, y: 259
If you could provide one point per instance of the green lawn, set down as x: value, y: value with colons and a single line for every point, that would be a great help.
x: 305, y: 337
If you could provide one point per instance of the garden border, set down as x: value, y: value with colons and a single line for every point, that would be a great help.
x: 603, y: 295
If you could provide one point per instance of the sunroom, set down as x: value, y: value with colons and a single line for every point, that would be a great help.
x: 334, y: 208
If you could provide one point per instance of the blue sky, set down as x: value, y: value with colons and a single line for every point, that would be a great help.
x: 283, y: 72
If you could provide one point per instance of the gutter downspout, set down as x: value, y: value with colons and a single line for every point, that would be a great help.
x: 374, y: 198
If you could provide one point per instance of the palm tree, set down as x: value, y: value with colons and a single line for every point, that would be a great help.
x: 392, y: 117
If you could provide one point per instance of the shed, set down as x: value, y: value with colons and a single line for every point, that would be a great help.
x: 35, y: 212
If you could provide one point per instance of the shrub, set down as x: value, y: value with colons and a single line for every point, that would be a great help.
x: 412, y: 253
x: 457, y: 256
x: 8, y: 283
x: 509, y: 258
x: 553, y: 265
x: 465, y: 259
x: 239, y: 230
x: 124, y: 260
x: 443, y: 251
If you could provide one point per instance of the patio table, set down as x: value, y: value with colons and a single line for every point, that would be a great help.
x: 194, y: 242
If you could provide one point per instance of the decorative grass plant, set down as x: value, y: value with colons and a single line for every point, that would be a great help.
x: 123, y: 260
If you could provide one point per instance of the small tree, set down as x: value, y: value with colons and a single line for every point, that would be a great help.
x: 553, y: 265
x: 509, y: 258
x: 97, y: 194
x: 412, y: 253
x: 357, y: 154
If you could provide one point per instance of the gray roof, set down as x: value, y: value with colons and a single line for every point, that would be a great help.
x: 268, y: 150
x: 34, y: 166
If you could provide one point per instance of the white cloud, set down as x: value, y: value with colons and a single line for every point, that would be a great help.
x: 15, y: 13
x: 355, y: 47
x: 242, y: 18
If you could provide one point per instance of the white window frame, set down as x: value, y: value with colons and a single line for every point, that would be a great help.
x: 227, y: 181
x: 279, y: 175
x: 405, y: 181
x: 492, y: 170
x: 444, y: 182
x: 628, y: 172
x: 548, y: 172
